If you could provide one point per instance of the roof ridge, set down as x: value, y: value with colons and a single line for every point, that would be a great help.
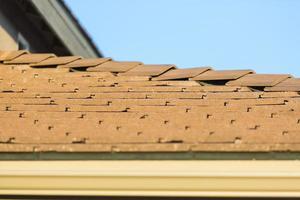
x: 202, y: 75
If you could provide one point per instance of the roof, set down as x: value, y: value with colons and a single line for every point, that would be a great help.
x: 71, y: 104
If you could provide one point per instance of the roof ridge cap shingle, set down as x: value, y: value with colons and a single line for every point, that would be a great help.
x: 242, y: 77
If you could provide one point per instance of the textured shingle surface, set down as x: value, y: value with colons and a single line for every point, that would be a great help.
x: 89, y: 62
x: 259, y: 80
x: 182, y: 73
x: 29, y: 58
x: 149, y: 70
x: 113, y: 66
x: 58, y: 108
x: 56, y: 61
x: 221, y: 75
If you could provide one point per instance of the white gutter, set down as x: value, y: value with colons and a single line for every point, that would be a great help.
x: 151, y: 178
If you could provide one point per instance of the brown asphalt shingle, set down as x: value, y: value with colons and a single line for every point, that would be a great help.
x: 56, y: 61
x: 113, y: 66
x: 9, y: 55
x: 148, y: 70
x: 30, y: 58
x: 147, y: 108
x: 88, y: 62
x: 291, y: 84
x: 221, y: 75
x: 259, y: 80
x: 182, y: 73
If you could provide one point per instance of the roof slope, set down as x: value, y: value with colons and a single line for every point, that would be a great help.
x: 70, y: 104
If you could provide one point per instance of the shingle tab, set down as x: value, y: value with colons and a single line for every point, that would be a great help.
x: 259, y: 80
x: 182, y: 73
x: 87, y: 62
x: 212, y: 75
x: 290, y: 84
x: 9, y: 55
x: 30, y: 58
x: 149, y: 70
x: 54, y: 61
x: 113, y: 66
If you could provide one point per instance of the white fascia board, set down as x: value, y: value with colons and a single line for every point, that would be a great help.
x: 151, y: 178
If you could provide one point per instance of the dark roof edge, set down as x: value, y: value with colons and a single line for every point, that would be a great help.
x: 61, y: 20
x: 149, y: 156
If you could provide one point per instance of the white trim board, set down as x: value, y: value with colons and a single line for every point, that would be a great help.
x: 151, y: 178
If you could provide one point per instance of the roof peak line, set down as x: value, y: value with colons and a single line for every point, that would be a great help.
x: 205, y: 75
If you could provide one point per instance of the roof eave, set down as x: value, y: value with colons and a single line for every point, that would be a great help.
x: 67, y: 28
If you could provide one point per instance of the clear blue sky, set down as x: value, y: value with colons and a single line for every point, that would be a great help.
x: 263, y: 35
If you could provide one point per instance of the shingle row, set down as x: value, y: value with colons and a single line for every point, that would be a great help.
x: 203, y: 75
